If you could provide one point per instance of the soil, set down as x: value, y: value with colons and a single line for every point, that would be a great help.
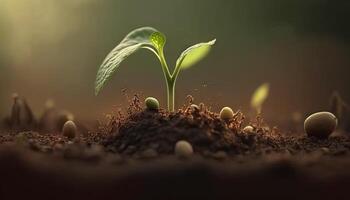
x: 132, y: 157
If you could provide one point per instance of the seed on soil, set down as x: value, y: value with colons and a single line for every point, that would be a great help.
x: 62, y: 118
x: 69, y: 129
x: 152, y: 103
x: 226, y: 113
x: 183, y: 149
x: 320, y: 125
x: 248, y: 130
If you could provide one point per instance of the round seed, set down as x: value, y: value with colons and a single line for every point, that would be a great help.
x: 183, y: 149
x: 248, y: 130
x: 226, y: 113
x: 320, y: 125
x: 152, y: 103
x: 69, y: 129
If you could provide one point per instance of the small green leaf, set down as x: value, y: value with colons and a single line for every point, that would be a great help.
x: 158, y: 40
x: 259, y: 96
x: 194, y: 54
x: 135, y: 40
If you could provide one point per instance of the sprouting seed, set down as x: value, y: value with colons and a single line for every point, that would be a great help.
x: 69, y: 129
x: 152, y: 103
x: 226, y: 113
x: 153, y: 40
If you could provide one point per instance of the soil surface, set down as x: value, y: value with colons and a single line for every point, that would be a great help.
x: 132, y: 157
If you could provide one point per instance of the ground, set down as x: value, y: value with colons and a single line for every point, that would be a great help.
x: 132, y: 157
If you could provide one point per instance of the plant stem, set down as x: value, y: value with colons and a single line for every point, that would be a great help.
x: 170, y: 81
x: 171, y: 95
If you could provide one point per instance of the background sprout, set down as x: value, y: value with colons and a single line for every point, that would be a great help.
x: 153, y: 40
x: 259, y: 97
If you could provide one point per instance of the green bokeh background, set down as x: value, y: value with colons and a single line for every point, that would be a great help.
x: 52, y: 49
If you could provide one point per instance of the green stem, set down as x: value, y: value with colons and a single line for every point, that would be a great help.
x: 170, y: 83
x: 171, y: 95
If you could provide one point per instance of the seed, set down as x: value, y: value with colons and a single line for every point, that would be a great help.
x: 248, y: 130
x: 320, y: 125
x: 226, y: 113
x: 69, y: 129
x: 183, y: 149
x: 152, y: 103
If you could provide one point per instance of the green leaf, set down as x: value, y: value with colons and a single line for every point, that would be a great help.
x: 194, y: 54
x: 259, y: 96
x: 135, y: 40
x: 158, y: 40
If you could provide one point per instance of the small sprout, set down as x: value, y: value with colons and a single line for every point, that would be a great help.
x: 153, y: 40
x: 183, y: 149
x: 226, y: 113
x: 69, y: 129
x: 259, y: 97
x: 248, y: 130
x: 152, y: 103
x: 48, y: 118
x: 22, y: 116
x: 320, y: 125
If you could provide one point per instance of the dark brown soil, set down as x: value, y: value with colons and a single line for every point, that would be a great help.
x: 209, y: 135
x: 132, y: 157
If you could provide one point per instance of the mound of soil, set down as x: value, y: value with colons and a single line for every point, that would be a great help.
x: 158, y: 131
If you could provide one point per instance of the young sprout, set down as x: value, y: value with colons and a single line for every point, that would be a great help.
x: 226, y: 113
x: 259, y: 97
x: 153, y: 40
x: 152, y: 103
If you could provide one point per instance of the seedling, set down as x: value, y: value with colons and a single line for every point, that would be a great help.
x: 153, y: 40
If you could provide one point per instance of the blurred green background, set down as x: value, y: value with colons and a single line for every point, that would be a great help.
x: 52, y: 49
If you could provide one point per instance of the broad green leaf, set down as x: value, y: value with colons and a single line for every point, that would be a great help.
x: 135, y: 40
x: 194, y: 54
x: 158, y: 40
x: 259, y: 96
